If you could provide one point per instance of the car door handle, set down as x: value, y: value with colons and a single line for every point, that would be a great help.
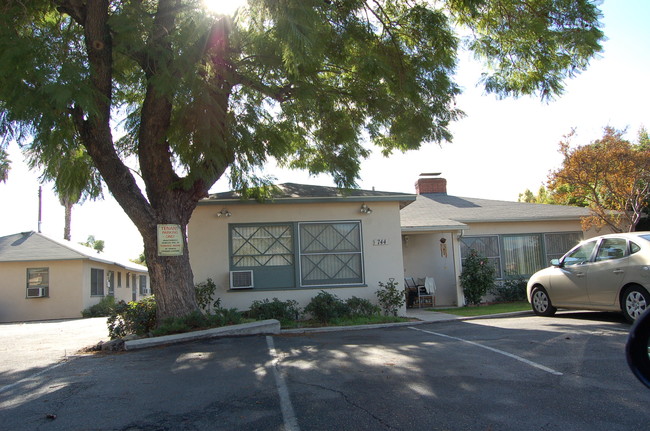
x: 618, y: 271
x: 580, y: 274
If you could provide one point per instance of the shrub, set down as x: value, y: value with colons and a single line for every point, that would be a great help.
x: 510, y: 290
x: 102, y: 309
x: 476, y: 278
x: 197, y: 320
x: 133, y: 318
x: 205, y: 296
x: 284, y: 311
x: 390, y: 298
x: 325, y: 307
x: 359, y: 307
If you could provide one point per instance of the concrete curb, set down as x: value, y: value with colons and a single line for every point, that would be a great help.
x: 270, y: 326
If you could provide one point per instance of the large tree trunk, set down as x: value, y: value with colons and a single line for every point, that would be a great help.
x: 171, y: 279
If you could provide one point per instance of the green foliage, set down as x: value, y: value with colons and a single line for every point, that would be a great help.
x: 284, y: 311
x: 102, y: 309
x: 5, y: 165
x: 304, y: 82
x: 477, y: 277
x: 390, y: 298
x: 137, y: 318
x: 197, y: 321
x: 510, y: 290
x: 95, y: 244
x: 360, y: 307
x: 325, y: 307
x: 205, y: 296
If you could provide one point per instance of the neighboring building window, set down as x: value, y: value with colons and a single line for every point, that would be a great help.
x: 486, y: 246
x: 110, y: 283
x: 143, y: 285
x: 557, y: 244
x: 119, y: 279
x: 298, y: 254
x: 330, y: 253
x: 520, y: 255
x: 127, y: 280
x: 96, y: 282
x: 38, y: 282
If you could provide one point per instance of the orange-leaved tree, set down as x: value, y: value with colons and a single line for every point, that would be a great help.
x: 611, y: 176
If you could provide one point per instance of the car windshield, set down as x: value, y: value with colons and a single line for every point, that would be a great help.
x: 646, y: 237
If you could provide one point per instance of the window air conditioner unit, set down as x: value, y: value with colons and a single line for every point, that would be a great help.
x: 241, y: 279
x: 35, y: 292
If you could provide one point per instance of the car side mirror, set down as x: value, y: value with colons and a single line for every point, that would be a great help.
x: 637, y: 348
x: 556, y: 262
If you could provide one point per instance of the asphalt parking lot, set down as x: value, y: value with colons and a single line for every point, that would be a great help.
x: 525, y: 372
x: 32, y: 347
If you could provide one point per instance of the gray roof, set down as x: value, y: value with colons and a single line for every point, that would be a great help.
x: 34, y: 246
x: 439, y: 211
x: 292, y: 193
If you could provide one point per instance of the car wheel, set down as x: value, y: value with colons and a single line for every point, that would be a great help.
x: 634, y: 302
x: 541, y: 303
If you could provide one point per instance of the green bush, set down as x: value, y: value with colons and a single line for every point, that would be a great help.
x: 476, y: 278
x: 205, y: 296
x: 133, y: 318
x: 102, y: 309
x: 325, y: 307
x: 197, y: 321
x: 284, y: 311
x: 510, y: 290
x: 359, y: 307
x: 390, y: 298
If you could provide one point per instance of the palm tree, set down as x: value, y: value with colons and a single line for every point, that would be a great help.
x: 5, y: 165
x: 75, y: 178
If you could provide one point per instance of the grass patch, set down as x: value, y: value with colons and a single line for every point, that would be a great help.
x: 343, y: 321
x: 485, y: 310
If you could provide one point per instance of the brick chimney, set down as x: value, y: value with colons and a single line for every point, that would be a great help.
x: 430, y: 183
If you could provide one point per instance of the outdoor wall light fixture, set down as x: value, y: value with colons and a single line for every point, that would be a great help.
x: 224, y: 213
x: 365, y: 209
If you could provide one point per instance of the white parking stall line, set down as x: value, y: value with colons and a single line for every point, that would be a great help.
x: 501, y: 352
x: 288, y: 415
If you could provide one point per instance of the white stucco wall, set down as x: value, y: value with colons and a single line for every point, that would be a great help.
x: 423, y: 256
x: 69, y: 290
x: 64, y: 299
x: 120, y: 293
x: 208, y: 246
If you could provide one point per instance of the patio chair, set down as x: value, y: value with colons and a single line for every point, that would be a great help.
x: 411, y: 291
x: 425, y: 297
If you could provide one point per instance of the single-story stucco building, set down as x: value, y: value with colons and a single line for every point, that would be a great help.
x: 42, y: 278
x: 438, y: 230
x: 303, y: 240
x: 311, y: 238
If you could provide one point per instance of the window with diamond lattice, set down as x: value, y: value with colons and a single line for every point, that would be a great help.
x: 330, y: 253
x: 486, y: 246
x: 261, y: 245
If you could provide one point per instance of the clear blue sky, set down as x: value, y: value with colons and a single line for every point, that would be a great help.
x: 500, y: 149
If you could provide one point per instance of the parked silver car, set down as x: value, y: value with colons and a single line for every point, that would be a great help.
x: 608, y: 273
